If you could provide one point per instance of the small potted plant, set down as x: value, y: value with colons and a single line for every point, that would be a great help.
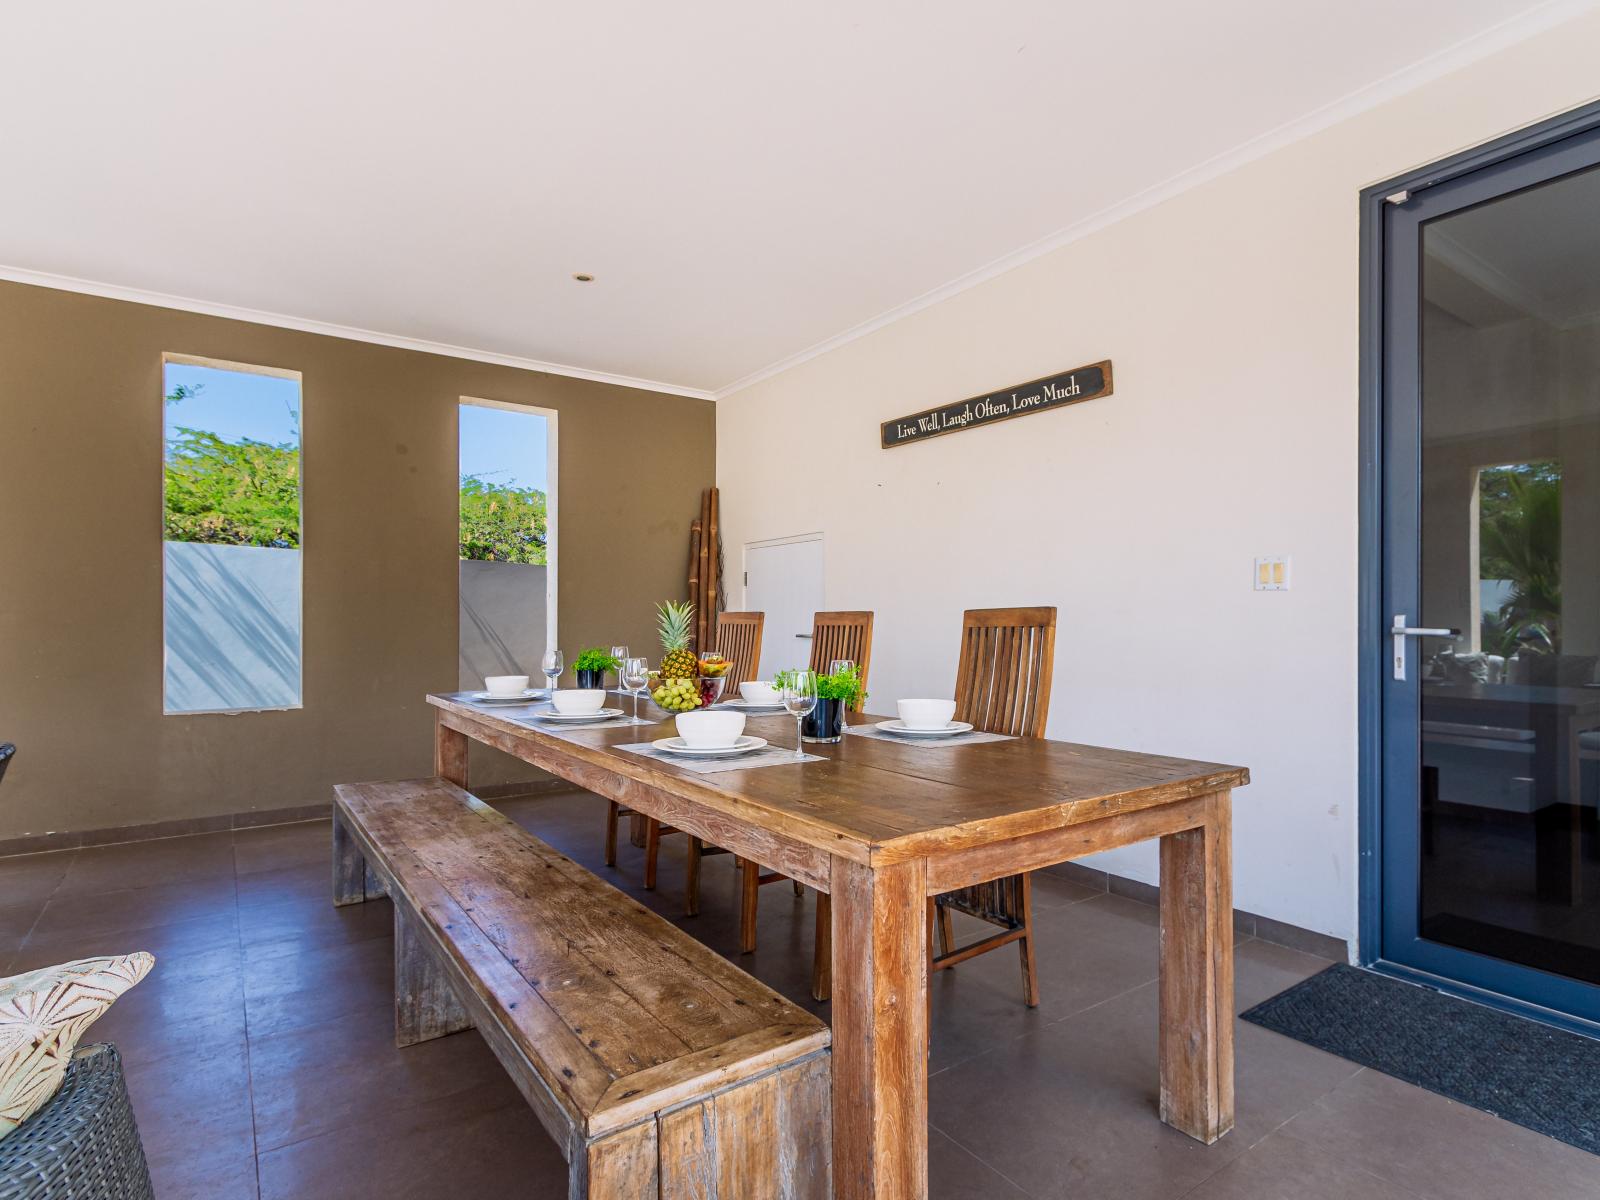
x: 835, y: 693
x: 592, y: 666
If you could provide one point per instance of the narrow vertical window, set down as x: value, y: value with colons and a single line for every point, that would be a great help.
x: 231, y: 536
x: 506, y: 540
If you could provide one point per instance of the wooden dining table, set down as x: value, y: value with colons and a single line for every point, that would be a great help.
x: 881, y: 826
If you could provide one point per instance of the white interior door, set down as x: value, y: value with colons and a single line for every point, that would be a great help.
x: 784, y: 580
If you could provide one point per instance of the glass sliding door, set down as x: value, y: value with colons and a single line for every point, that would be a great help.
x: 1491, y: 579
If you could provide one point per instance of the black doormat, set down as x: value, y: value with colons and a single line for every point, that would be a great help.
x: 1545, y: 1079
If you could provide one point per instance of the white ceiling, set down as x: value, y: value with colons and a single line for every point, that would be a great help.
x: 746, y: 181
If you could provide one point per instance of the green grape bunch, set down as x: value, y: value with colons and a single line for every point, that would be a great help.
x: 677, y: 695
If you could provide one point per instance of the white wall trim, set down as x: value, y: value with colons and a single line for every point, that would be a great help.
x: 1406, y: 79
x: 112, y: 291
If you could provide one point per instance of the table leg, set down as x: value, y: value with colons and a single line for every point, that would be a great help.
x: 880, y: 1031
x: 449, y: 752
x: 1197, y: 975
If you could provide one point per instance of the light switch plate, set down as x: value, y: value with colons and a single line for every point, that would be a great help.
x: 1272, y: 573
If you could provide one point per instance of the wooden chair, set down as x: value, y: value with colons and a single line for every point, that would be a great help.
x: 739, y: 641
x: 834, y: 635
x: 1002, y: 686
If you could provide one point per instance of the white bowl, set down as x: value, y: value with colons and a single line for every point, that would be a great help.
x: 710, y: 729
x: 759, y: 692
x: 573, y: 701
x: 505, y: 685
x: 926, y: 714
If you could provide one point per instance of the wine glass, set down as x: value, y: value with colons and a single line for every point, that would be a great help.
x: 552, y: 666
x: 620, y: 653
x: 800, y: 697
x: 634, y: 676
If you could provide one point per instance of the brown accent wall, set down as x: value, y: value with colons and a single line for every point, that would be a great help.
x: 81, y: 570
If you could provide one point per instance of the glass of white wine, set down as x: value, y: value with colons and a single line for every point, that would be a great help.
x: 799, y: 697
x: 635, y: 677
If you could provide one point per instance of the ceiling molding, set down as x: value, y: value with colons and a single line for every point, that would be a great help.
x: 1406, y: 79
x: 111, y: 291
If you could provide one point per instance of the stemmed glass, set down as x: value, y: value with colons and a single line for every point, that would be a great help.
x: 800, y: 697
x: 635, y: 676
x: 620, y: 653
x: 552, y: 667
x: 840, y: 664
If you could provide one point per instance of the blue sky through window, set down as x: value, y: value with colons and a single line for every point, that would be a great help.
x: 234, y: 404
x: 504, y: 447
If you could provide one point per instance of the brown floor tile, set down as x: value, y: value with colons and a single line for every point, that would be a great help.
x: 32, y: 878
x: 1278, y: 1167
x: 274, y: 847
x: 1261, y: 970
x: 173, y: 944
x: 298, y: 925
x: 1072, y: 1110
x: 955, y: 1173
x: 194, y: 1119
x: 1440, y: 1149
x: 165, y: 861
x: 301, y: 883
x: 267, y: 1025
x: 294, y: 990
x: 320, y: 1078
x: 135, y: 908
x: 485, y: 1143
x: 16, y: 920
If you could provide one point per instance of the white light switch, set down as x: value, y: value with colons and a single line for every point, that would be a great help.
x: 1272, y: 573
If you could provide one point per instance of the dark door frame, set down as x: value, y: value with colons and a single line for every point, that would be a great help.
x: 1373, y: 645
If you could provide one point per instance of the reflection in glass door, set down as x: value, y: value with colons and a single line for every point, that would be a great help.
x: 1492, y: 562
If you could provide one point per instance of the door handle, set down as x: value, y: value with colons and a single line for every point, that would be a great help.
x: 807, y: 636
x: 1400, y: 631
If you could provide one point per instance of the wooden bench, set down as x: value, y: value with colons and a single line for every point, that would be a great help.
x: 660, y: 1068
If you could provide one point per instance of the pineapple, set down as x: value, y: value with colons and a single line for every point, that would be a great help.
x: 677, y: 662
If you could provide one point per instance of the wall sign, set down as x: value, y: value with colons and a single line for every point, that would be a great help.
x: 1053, y: 391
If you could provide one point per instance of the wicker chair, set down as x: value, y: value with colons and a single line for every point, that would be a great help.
x: 6, y: 751
x: 83, y: 1144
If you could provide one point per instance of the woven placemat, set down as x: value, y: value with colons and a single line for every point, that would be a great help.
x: 769, y: 756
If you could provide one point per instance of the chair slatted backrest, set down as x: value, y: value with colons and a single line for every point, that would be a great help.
x: 1007, y: 659
x: 836, y: 635
x: 739, y: 641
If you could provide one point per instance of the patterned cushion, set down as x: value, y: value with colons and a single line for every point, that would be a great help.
x: 42, y: 1016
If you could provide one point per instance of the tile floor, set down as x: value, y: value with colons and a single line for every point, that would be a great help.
x: 260, y: 1057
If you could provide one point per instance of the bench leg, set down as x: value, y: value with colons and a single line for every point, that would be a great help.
x: 425, y: 1005
x: 349, y: 867
x: 620, y: 1166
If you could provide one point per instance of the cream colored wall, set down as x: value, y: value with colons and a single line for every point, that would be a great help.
x: 1230, y: 313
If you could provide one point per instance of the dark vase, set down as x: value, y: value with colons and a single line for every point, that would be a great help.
x: 824, y: 723
x: 591, y: 679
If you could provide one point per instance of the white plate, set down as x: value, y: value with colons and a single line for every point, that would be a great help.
x: 604, y: 714
x: 521, y: 698
x: 676, y: 745
x: 753, y: 707
x: 900, y: 729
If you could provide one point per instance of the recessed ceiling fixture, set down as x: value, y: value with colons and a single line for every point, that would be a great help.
x: 583, y: 277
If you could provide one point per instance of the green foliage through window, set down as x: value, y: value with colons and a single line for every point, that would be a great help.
x: 502, y: 524
x: 243, y: 493
x: 1519, y: 541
